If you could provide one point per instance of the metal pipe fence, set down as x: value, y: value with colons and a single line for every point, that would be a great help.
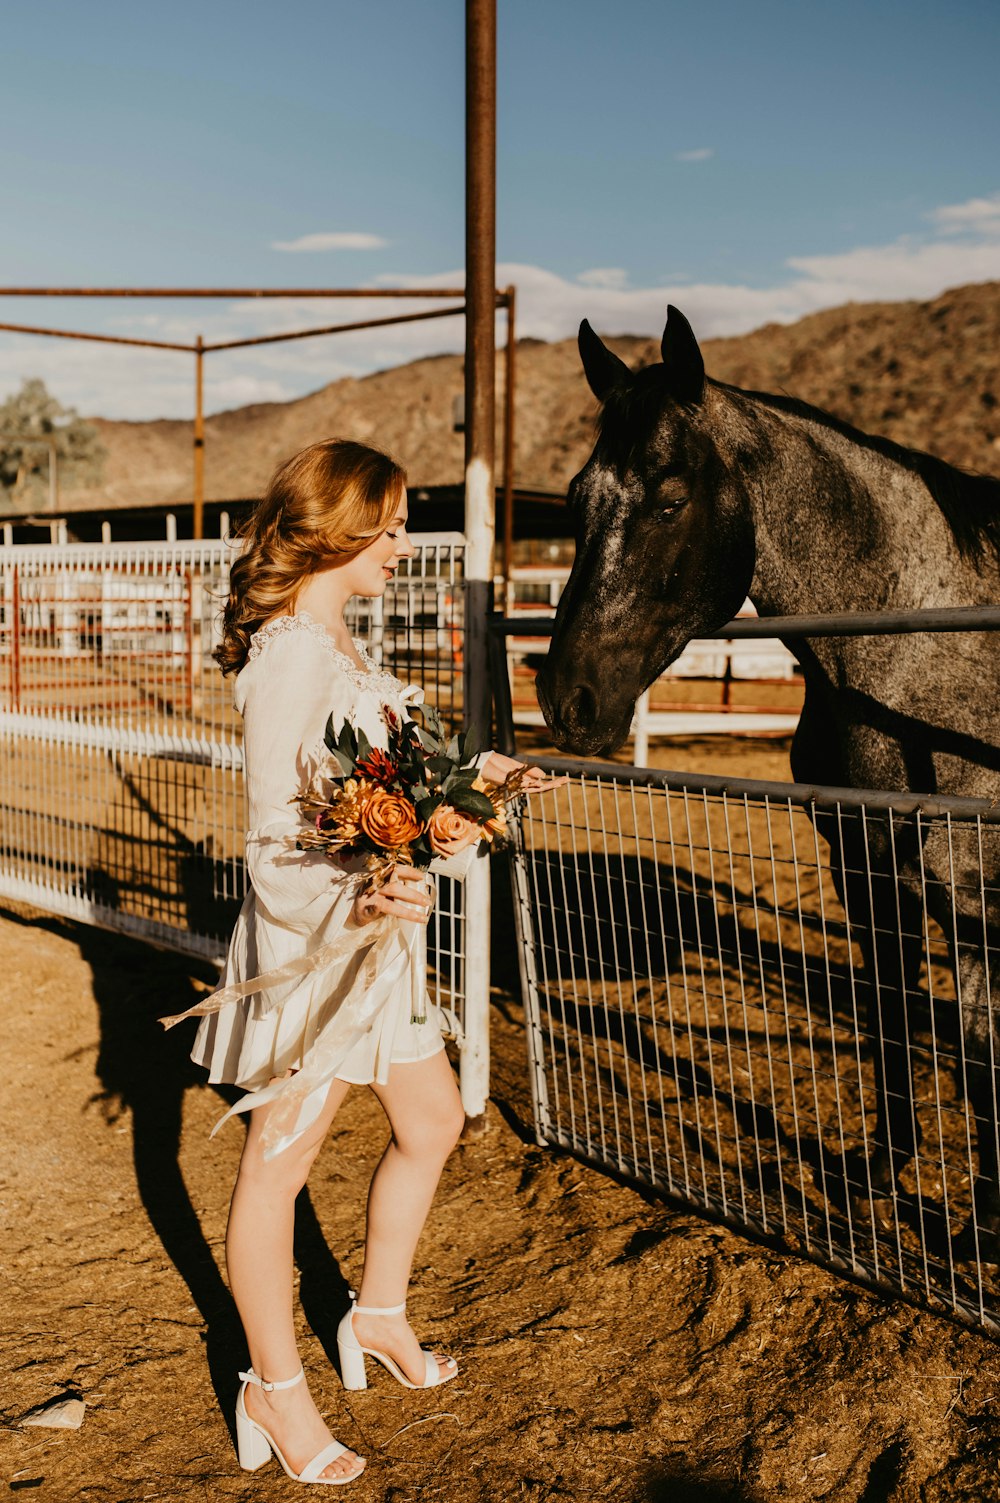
x: 122, y: 800
x: 534, y: 590
x: 773, y: 1002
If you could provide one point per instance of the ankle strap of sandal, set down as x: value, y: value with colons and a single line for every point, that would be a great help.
x: 357, y: 1309
x: 251, y: 1377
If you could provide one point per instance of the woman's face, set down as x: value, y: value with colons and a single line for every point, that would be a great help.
x: 370, y: 571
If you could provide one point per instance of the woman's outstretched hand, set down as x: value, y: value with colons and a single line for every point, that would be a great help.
x: 407, y: 895
x: 497, y: 768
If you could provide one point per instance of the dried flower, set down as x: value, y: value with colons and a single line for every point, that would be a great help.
x: 378, y: 767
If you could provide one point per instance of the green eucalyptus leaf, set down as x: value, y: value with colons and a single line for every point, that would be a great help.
x: 425, y: 807
x: 471, y: 801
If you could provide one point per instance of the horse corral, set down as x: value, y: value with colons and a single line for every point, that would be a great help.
x: 691, y: 1011
x: 702, y: 1018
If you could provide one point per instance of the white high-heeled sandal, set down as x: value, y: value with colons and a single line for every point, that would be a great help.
x: 353, y: 1354
x: 254, y: 1444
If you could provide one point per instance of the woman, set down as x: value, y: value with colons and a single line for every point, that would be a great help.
x: 319, y: 987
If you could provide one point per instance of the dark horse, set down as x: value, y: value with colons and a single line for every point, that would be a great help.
x: 698, y: 494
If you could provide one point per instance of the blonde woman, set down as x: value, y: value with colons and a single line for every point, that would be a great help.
x: 319, y: 986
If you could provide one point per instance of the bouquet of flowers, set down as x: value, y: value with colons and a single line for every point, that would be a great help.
x: 420, y: 801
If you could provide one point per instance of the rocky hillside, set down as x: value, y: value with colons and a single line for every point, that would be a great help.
x: 926, y: 374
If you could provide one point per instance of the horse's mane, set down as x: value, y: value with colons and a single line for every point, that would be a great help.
x: 969, y: 502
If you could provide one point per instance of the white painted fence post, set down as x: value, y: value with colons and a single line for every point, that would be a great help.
x: 640, y: 730
x: 474, y: 1081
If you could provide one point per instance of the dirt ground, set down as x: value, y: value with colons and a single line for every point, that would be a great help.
x: 611, y: 1347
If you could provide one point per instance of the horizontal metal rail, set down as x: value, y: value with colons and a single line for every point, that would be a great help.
x: 836, y: 624
x: 260, y: 292
x: 128, y: 740
x: 800, y: 795
x: 237, y: 344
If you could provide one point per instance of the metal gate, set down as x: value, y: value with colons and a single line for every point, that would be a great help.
x: 710, y: 1013
x: 122, y: 800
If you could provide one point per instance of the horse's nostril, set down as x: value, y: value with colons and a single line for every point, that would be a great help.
x: 581, y: 707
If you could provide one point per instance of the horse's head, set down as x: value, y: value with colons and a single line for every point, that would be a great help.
x: 664, y: 537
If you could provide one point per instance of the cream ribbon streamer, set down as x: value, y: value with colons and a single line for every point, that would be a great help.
x: 296, y: 1100
x: 339, y: 949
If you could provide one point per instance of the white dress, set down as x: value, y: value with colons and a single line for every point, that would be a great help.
x: 337, y: 999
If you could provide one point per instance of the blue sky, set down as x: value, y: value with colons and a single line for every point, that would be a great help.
x: 749, y: 162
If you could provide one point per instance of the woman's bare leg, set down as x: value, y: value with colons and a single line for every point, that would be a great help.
x: 259, y: 1262
x: 425, y: 1114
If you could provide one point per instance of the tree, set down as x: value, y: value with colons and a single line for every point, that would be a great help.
x: 34, y: 427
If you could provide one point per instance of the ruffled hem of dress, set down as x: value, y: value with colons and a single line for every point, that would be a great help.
x: 296, y: 1099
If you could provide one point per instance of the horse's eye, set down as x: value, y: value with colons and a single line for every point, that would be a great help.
x: 672, y: 508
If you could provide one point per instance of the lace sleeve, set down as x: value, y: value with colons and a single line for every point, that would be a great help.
x: 293, y: 687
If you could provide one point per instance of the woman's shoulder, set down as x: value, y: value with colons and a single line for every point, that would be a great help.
x: 288, y: 631
x: 300, y: 642
x: 297, y: 657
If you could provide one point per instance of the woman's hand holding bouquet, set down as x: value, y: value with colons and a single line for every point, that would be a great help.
x: 423, y: 800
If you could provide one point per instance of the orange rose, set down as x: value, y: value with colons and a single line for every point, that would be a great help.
x: 389, y: 820
x: 451, y: 831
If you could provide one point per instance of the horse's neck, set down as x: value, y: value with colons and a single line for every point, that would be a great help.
x: 840, y: 526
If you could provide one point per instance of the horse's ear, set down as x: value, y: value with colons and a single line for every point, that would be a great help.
x: 682, y: 359
x: 601, y: 366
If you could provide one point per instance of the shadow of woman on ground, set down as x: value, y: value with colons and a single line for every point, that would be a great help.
x: 145, y: 1071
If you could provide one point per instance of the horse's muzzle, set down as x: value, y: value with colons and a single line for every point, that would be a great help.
x: 575, y: 719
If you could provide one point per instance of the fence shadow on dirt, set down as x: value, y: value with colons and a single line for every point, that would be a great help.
x: 712, y: 1026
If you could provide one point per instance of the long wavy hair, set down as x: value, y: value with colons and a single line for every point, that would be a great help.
x: 323, y: 506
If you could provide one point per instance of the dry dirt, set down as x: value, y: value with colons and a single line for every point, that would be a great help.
x: 612, y: 1347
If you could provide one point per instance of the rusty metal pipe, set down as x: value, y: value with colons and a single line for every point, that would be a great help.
x: 480, y: 346
x: 366, y: 323
x: 146, y: 344
x: 432, y: 292
x: 508, y: 443
x: 199, y: 440
x: 480, y: 504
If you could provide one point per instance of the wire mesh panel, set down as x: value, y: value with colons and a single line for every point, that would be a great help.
x: 417, y: 628
x: 417, y: 631
x: 778, y: 1010
x: 122, y: 799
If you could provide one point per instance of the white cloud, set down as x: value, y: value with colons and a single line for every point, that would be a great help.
x: 700, y: 154
x: 959, y: 248
x: 332, y: 240
x: 604, y: 276
x: 240, y: 390
x: 976, y: 216
x: 904, y: 269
